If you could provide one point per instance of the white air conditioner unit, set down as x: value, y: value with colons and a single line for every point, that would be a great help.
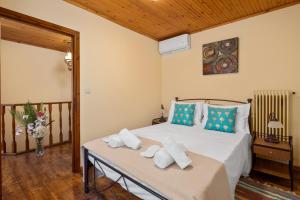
x: 181, y: 42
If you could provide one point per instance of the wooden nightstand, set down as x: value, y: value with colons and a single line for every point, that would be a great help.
x: 159, y: 121
x: 271, y: 158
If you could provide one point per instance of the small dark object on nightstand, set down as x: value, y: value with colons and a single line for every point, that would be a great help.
x: 272, y: 139
x: 159, y: 120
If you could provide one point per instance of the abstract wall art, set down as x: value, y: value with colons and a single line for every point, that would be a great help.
x: 220, y: 57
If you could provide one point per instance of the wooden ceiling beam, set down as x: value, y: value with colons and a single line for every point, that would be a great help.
x: 28, y: 34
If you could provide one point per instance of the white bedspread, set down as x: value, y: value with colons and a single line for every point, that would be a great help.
x: 231, y: 149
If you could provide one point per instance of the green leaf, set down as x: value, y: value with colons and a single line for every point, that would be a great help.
x: 29, y: 110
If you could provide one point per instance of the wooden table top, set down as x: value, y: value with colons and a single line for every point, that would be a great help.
x: 280, y: 145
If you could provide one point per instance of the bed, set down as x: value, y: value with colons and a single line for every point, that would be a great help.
x: 232, y: 150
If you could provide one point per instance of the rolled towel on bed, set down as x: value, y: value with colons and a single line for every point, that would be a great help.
x: 177, y: 152
x: 115, y: 141
x: 150, y: 151
x: 129, y: 139
x: 163, y: 159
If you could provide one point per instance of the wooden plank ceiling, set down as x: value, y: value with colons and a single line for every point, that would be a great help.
x: 161, y: 19
x: 27, y: 34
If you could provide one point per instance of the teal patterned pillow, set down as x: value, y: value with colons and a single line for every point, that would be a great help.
x: 184, y: 114
x: 221, y: 119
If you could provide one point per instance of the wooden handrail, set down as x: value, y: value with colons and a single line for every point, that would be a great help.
x: 27, y: 145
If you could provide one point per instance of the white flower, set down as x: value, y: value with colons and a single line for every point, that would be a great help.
x: 42, y: 119
x: 37, y: 123
x: 40, y: 129
x: 30, y: 126
x: 39, y: 132
x: 19, y: 130
x: 25, y: 117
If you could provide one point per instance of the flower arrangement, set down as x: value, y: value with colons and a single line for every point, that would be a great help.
x: 35, y: 120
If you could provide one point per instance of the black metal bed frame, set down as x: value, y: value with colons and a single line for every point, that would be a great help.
x: 87, y: 163
x: 97, y: 160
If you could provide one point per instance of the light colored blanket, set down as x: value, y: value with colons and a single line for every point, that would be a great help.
x: 205, y: 179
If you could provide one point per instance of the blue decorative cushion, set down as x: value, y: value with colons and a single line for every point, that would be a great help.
x: 184, y: 114
x: 221, y: 119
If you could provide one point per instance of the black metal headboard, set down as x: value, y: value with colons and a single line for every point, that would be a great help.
x: 224, y: 100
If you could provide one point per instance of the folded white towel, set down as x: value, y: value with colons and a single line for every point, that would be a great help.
x: 182, y: 147
x: 177, y: 152
x: 150, y: 151
x: 129, y: 139
x: 163, y: 159
x: 115, y: 141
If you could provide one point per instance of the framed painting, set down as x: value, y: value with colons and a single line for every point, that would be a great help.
x: 220, y: 57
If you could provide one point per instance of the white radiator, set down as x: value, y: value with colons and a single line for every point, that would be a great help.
x: 271, y: 101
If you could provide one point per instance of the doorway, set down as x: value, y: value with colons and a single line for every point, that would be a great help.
x: 74, y: 134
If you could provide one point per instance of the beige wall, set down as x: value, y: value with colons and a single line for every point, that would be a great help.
x: 268, y: 59
x: 121, y: 68
x: 33, y: 73
x: 38, y: 75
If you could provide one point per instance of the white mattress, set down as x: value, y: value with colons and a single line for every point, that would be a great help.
x: 231, y: 149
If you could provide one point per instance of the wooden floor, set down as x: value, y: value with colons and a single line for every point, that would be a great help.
x: 27, y: 177
x: 50, y: 177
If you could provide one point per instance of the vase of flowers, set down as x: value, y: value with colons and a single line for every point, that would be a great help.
x: 39, y: 151
x: 35, y: 120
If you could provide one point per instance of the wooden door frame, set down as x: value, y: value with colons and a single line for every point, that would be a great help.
x: 0, y: 122
x: 75, y: 78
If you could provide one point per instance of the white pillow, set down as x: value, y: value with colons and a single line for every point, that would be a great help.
x: 241, y: 124
x: 197, y: 114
